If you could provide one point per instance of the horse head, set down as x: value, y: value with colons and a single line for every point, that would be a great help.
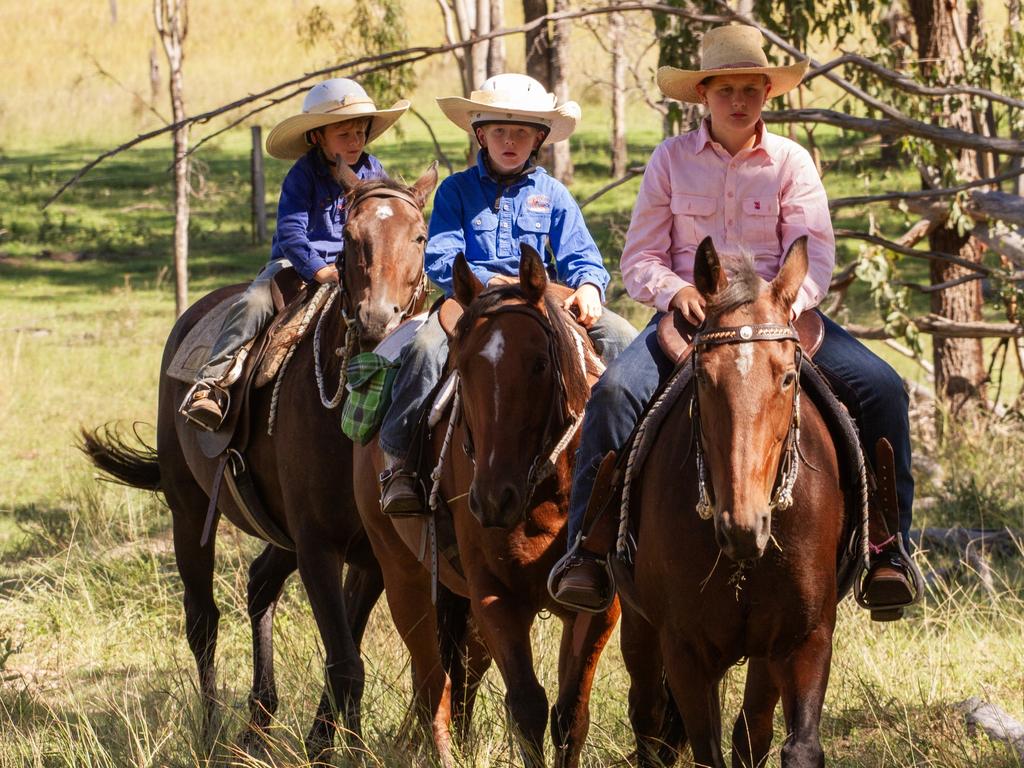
x: 385, y: 237
x: 746, y: 364
x: 523, y: 383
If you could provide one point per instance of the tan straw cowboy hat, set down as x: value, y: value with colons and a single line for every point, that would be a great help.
x: 330, y: 102
x: 729, y: 50
x: 512, y: 98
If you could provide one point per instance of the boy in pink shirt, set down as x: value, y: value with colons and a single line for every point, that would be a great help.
x: 754, y: 193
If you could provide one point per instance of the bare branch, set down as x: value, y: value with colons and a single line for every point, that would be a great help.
x: 941, y: 326
x: 844, y: 202
x: 897, y: 248
x: 630, y: 173
x: 433, y: 137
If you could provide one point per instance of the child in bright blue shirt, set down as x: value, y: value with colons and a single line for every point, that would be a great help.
x: 486, y: 212
x: 337, y: 119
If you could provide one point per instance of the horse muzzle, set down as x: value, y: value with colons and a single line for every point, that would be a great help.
x: 744, y: 537
x: 499, y: 506
x: 377, y: 319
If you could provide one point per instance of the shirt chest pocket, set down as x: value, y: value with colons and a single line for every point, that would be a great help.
x: 760, y: 221
x: 693, y: 218
x: 482, y: 223
x: 533, y: 224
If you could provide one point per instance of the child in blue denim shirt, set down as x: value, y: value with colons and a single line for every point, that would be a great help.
x: 486, y: 212
x: 337, y: 119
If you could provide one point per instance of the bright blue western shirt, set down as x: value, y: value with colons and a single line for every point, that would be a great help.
x: 311, y: 212
x: 475, y: 215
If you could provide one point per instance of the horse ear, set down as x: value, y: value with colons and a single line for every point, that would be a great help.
x: 786, y: 284
x: 425, y: 185
x: 708, y: 275
x: 467, y: 285
x: 344, y: 175
x: 532, y: 277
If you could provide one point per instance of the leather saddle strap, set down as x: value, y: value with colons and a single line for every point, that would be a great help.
x: 244, y: 491
x: 884, y: 523
x: 212, y: 512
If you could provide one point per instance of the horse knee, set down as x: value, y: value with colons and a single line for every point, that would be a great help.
x: 802, y: 754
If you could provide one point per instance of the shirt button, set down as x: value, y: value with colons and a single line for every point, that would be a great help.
x: 729, y: 222
x: 477, y: 222
x: 537, y: 225
x: 504, y: 224
x: 728, y: 194
x: 506, y: 206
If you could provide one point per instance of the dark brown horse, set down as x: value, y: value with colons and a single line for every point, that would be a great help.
x: 302, y: 473
x: 524, y: 377
x: 745, y: 584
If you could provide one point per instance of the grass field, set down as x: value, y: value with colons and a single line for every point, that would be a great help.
x: 94, y: 669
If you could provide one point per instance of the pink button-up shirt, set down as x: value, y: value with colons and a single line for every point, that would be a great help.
x: 756, y: 203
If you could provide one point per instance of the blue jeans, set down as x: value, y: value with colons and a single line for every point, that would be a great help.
x: 252, y: 310
x: 866, y: 384
x: 423, y: 363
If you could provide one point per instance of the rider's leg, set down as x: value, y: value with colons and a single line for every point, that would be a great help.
x: 614, y: 408
x: 611, y: 334
x: 423, y: 364
x: 876, y: 398
x: 205, y: 403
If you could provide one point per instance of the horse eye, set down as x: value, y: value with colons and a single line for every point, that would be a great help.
x: 420, y: 239
x: 540, y: 365
x: 788, y: 379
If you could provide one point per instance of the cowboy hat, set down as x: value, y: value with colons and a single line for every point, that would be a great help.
x: 729, y: 50
x: 513, y: 98
x: 331, y: 101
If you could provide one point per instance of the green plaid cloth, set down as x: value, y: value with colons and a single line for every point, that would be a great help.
x: 370, y: 377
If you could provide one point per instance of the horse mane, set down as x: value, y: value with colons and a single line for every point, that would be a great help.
x: 744, y: 287
x: 381, y: 182
x: 575, y: 381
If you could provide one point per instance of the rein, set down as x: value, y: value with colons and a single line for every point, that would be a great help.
x: 789, y: 463
x: 544, y: 463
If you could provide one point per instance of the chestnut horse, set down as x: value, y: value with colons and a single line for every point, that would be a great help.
x: 524, y: 378
x: 303, y: 472
x: 746, y: 584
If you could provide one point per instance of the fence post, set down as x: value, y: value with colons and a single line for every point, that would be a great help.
x: 259, y: 202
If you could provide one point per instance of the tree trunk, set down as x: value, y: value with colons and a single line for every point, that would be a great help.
x: 943, y: 38
x: 537, y: 43
x: 561, y: 166
x: 481, y: 51
x: 617, y: 31
x: 171, y: 18
x: 496, y: 51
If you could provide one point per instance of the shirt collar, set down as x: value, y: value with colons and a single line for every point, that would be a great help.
x: 704, y: 138
x: 485, y: 171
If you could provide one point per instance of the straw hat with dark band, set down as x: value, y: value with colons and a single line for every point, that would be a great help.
x: 512, y: 98
x: 331, y: 101
x: 730, y: 50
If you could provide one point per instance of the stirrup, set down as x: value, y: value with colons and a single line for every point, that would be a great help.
x: 574, y: 557
x: 898, y: 559
x: 190, y: 397
x: 406, y: 506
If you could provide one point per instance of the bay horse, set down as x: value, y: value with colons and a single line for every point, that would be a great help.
x: 524, y: 375
x: 746, y: 583
x: 302, y: 473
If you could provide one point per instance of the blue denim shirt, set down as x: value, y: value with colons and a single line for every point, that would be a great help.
x: 311, y: 212
x: 472, y: 215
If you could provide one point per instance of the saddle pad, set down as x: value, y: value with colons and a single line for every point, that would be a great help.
x: 195, y: 347
x: 391, y: 346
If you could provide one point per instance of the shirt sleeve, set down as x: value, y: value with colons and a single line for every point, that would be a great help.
x: 804, y: 211
x: 447, y: 238
x: 646, y: 256
x: 577, y: 259
x: 291, y: 238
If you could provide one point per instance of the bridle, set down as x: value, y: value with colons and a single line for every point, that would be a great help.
x: 789, y: 462
x: 559, y: 410
x: 357, y: 198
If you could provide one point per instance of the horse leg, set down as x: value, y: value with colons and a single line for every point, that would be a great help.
x: 504, y: 622
x: 363, y: 588
x: 320, y: 566
x: 804, y: 678
x: 267, y: 576
x: 464, y: 656
x: 752, y: 734
x: 195, y: 563
x: 695, y: 689
x: 652, y: 712
x: 584, y: 636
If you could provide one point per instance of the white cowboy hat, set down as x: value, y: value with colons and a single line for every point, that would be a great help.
x: 729, y: 50
x: 513, y: 98
x: 330, y: 102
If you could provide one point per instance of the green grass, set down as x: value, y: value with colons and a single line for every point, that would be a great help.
x: 94, y: 668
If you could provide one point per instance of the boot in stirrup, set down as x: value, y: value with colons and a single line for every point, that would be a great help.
x: 205, y: 406
x: 400, y: 491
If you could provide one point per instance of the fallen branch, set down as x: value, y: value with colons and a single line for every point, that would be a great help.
x: 996, y: 723
x: 1002, y: 542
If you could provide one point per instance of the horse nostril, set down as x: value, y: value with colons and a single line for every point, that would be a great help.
x: 395, y: 309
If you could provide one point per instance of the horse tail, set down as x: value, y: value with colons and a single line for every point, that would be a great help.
x: 109, y: 452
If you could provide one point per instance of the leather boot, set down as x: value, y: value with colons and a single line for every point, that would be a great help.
x: 205, y: 406
x: 583, y: 583
x: 400, y: 491
x: 888, y: 588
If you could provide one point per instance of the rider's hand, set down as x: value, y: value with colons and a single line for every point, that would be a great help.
x: 587, y: 301
x: 690, y: 303
x: 502, y: 280
x: 328, y: 274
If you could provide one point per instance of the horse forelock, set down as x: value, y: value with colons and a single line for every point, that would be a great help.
x: 744, y: 287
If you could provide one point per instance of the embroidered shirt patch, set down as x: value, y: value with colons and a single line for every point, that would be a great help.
x: 538, y: 204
